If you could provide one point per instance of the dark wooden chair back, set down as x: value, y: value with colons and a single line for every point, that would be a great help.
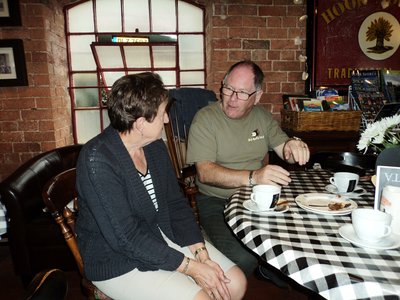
x: 183, y: 105
x: 60, y: 197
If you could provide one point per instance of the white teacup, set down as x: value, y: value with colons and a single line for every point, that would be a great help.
x: 345, y: 182
x: 371, y: 225
x: 265, y: 196
x: 390, y: 202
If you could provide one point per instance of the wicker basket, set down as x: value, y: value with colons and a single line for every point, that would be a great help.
x: 321, y: 121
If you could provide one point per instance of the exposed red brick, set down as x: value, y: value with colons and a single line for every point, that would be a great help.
x: 273, y: 10
x: 256, y: 44
x: 254, y: 21
x: 26, y: 147
x: 27, y: 125
x: 11, y: 137
x: 243, y: 32
x: 286, y: 65
x: 277, y: 76
x: 242, y: 10
x: 227, y: 43
x: 269, y: 33
x: 273, y: 87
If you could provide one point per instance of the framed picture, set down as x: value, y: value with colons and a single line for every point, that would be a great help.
x: 9, y: 13
x: 12, y: 63
x: 346, y: 36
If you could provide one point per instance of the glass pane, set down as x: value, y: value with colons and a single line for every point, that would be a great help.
x: 86, y: 97
x: 164, y: 56
x: 163, y: 15
x: 81, y: 54
x: 106, y: 120
x: 137, y: 56
x: 190, y: 17
x: 87, y: 124
x: 108, y: 16
x: 191, y: 52
x: 192, y: 77
x: 111, y: 77
x: 136, y: 15
x: 80, y: 18
x: 84, y: 79
x: 109, y: 57
x: 168, y: 77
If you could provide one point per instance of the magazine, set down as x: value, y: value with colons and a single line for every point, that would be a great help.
x: 391, y: 85
x: 385, y: 175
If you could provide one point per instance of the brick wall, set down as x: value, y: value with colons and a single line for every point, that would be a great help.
x: 37, y: 117
x: 263, y: 31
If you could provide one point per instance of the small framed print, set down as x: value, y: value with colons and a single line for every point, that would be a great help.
x: 10, y: 13
x: 12, y: 63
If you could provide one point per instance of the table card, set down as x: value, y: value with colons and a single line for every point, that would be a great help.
x: 385, y: 176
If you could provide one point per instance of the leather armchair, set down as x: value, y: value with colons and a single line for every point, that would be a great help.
x: 35, y: 240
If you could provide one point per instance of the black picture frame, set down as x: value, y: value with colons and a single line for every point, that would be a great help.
x: 12, y: 63
x: 10, y: 13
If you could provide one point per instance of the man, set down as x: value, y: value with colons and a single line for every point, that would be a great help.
x: 228, y: 141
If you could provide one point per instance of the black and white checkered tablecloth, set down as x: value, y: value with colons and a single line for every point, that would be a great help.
x: 308, y: 248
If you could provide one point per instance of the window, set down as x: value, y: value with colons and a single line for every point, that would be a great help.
x: 107, y: 39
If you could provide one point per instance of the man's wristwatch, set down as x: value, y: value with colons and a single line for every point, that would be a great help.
x: 251, y: 182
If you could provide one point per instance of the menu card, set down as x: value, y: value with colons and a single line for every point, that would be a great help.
x: 385, y: 175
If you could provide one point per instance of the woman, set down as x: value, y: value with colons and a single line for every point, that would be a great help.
x: 136, y: 232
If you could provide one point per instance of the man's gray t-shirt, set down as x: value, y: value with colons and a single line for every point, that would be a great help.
x: 236, y: 144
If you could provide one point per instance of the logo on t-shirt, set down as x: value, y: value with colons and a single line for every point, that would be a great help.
x: 255, y: 135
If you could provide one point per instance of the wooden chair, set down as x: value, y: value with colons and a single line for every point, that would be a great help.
x: 183, y: 105
x: 48, y: 285
x: 60, y: 197
x: 344, y: 162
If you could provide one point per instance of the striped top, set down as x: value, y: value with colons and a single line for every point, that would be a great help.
x: 148, y: 184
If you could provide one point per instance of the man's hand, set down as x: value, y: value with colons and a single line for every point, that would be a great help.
x: 271, y: 174
x: 296, y: 151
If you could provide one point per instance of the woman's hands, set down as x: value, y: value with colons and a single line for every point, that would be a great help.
x: 210, y: 277
x: 206, y: 273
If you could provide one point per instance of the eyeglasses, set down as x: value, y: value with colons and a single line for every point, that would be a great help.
x: 240, y: 95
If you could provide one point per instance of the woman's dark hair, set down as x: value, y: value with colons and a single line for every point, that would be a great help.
x: 135, y: 96
x: 258, y: 74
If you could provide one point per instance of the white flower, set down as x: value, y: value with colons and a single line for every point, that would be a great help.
x: 381, y: 134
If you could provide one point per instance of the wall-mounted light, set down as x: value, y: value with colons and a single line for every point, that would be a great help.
x: 302, y: 58
x: 297, y: 41
x: 298, y: 1
x: 304, y: 75
x: 303, y: 18
x: 384, y: 3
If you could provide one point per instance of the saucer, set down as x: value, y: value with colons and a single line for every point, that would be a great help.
x: 391, y: 242
x: 358, y: 191
x: 251, y: 206
x: 318, y: 203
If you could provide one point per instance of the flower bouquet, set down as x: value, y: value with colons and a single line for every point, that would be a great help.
x: 380, y: 135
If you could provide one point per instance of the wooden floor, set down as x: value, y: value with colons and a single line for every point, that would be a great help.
x: 11, y: 288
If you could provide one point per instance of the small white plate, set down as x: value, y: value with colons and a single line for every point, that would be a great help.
x: 318, y: 203
x: 347, y: 232
x: 251, y: 206
x: 358, y: 191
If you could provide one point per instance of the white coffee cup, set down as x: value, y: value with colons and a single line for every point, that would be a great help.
x: 371, y: 225
x: 390, y: 203
x: 345, y: 182
x: 265, y: 196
